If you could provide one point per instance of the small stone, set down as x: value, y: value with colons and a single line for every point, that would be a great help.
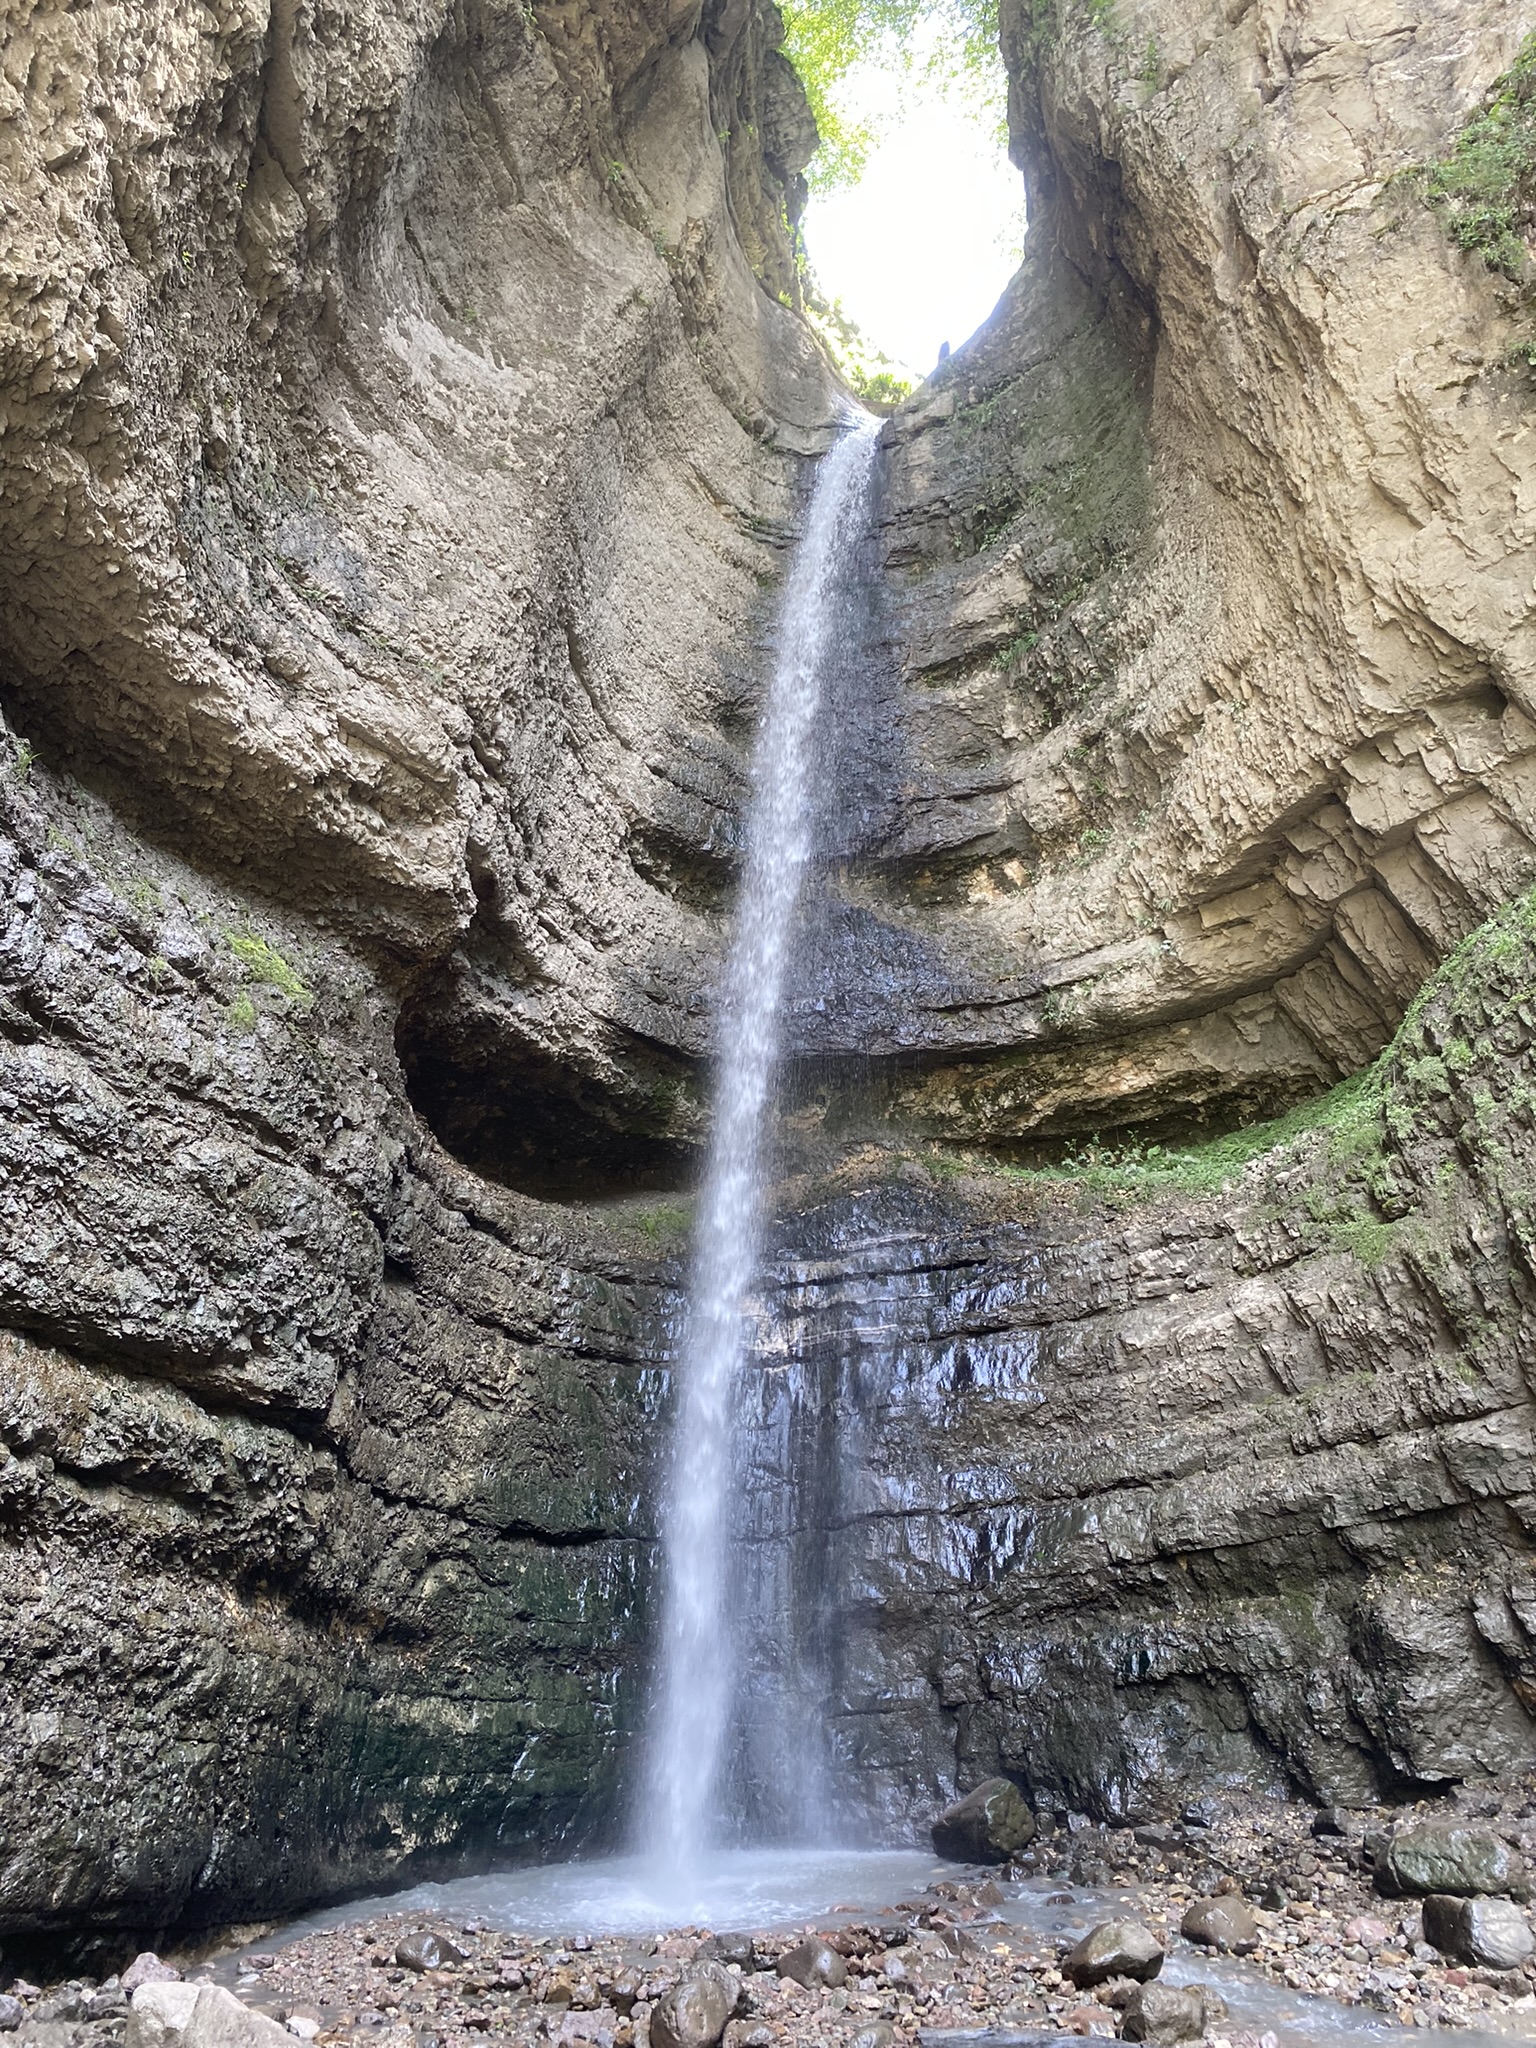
x: 1366, y: 1929
x: 62, y: 2007
x: 1442, y: 1856
x: 12, y: 2012
x: 1494, y: 1934
x: 989, y: 1825
x: 813, y: 1964
x: 693, y: 2014
x: 147, y: 1968
x: 1225, y: 1923
x: 1326, y: 1822
x: 728, y: 1948
x: 1089, y: 2019
x: 427, y: 1951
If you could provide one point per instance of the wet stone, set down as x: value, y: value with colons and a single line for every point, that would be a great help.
x: 1444, y: 1856
x: 992, y: 1824
x: 728, y: 1948
x: 427, y: 1951
x: 812, y: 1964
x: 1115, y: 1948
x: 1164, y: 2014
x: 693, y: 2014
x: 1225, y: 1923
x: 1494, y: 1934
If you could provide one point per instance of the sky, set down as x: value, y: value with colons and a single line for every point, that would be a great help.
x: 920, y: 249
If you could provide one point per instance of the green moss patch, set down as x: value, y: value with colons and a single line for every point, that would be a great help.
x: 1485, y: 190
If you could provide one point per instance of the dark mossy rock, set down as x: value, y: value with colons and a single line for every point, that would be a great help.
x: 990, y: 1825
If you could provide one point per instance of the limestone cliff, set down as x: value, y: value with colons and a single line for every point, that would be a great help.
x: 402, y: 422
x: 1211, y: 574
x: 404, y: 410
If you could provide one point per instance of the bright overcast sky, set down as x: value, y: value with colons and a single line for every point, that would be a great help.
x: 920, y: 249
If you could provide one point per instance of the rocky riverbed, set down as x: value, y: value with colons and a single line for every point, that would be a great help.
x: 1253, y: 1927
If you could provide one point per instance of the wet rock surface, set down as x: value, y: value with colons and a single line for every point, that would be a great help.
x: 408, y: 589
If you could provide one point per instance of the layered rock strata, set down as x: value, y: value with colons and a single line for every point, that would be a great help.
x: 1209, y: 563
x: 1136, y: 1493
x: 320, y: 1459
x: 403, y: 415
x: 402, y: 423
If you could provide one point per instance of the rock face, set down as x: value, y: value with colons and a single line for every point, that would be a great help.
x: 1133, y: 1488
x: 1207, y: 561
x: 403, y: 418
x: 402, y: 423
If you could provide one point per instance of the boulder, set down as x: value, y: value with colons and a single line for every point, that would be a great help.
x: 1223, y: 1922
x: 147, y: 1968
x: 728, y: 1948
x: 1493, y: 1934
x: 813, y: 1964
x: 1445, y: 1856
x: 165, y: 2015
x: 878, y: 2034
x: 990, y: 1825
x: 427, y: 1951
x: 1165, y: 2014
x: 693, y: 2014
x: 12, y: 2012
x: 1115, y: 1948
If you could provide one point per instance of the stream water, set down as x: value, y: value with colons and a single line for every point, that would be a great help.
x: 690, y: 1801
x: 787, y: 1888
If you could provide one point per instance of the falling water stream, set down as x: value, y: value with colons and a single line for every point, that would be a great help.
x: 694, y: 1863
x: 682, y: 1813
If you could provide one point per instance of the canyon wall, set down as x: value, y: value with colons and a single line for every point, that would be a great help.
x: 404, y: 414
x: 1210, y: 567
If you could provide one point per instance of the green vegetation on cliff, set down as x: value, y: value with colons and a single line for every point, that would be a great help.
x: 1486, y: 188
x: 1475, y: 1015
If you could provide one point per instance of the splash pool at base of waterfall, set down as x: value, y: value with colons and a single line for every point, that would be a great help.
x: 750, y: 1888
x: 784, y: 1891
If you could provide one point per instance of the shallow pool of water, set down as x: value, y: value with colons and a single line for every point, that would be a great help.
x: 743, y: 1888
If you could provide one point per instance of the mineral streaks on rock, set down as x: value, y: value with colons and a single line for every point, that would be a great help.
x: 1210, y: 560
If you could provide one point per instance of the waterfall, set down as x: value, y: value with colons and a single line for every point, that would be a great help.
x: 691, y: 1709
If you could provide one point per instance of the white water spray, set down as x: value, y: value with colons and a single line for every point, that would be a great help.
x: 692, y: 1707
